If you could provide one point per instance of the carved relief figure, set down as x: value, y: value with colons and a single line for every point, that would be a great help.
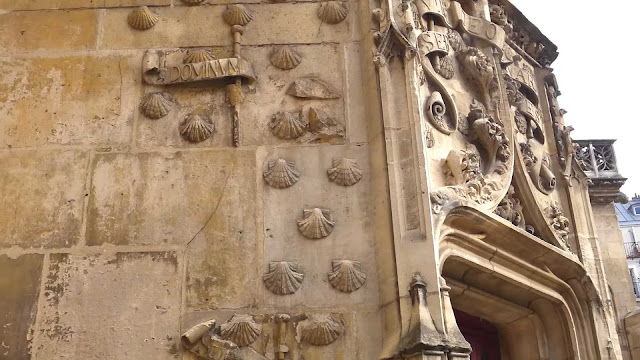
x: 510, y: 209
x: 559, y: 223
x: 539, y: 169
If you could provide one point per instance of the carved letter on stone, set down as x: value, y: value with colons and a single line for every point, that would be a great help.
x: 283, y: 278
x: 316, y: 223
x: 319, y: 329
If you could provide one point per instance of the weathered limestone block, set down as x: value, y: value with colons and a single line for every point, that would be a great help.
x: 169, y: 198
x: 20, y: 287
x: 183, y: 26
x: 42, y: 195
x: 271, y: 96
x: 48, y: 30
x: 67, y: 100
x: 75, y: 4
x: 112, y: 306
x: 350, y: 239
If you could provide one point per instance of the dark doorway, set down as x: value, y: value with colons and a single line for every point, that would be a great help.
x: 481, y: 334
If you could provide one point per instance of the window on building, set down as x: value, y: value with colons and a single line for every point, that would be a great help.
x: 636, y: 210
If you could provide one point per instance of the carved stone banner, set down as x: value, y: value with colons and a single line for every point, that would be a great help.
x: 452, y: 14
x: 157, y: 72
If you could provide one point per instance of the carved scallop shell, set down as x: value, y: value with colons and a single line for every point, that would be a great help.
x: 281, y: 173
x: 142, y: 18
x: 345, y: 172
x: 156, y: 105
x: 320, y: 329
x: 288, y: 125
x: 196, y: 128
x: 241, y: 329
x: 283, y: 278
x: 347, y: 275
x: 333, y: 12
x: 198, y: 56
x: 237, y: 15
x: 316, y: 223
x: 284, y: 58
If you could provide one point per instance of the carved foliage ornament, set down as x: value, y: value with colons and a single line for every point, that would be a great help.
x: 438, y: 116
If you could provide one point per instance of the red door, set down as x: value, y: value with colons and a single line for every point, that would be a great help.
x: 481, y: 334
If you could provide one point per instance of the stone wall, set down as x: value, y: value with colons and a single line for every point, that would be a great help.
x: 117, y: 234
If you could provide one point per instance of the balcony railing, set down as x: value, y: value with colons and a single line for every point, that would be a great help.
x: 596, y: 157
x: 632, y: 250
x: 636, y: 288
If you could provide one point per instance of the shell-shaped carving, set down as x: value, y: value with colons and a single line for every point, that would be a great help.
x: 344, y: 172
x: 333, y: 12
x: 142, y: 18
x: 283, y: 278
x: 196, y: 128
x: 237, y: 15
x: 320, y: 329
x: 192, y: 2
x: 316, y: 223
x: 347, y: 275
x: 288, y: 125
x: 198, y: 56
x: 156, y: 105
x: 241, y: 329
x: 281, y: 173
x: 284, y: 58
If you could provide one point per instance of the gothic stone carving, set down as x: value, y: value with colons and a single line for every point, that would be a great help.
x: 156, y: 105
x: 438, y: 116
x: 285, y: 58
x: 539, y: 170
x: 510, y: 209
x: 196, y: 128
x: 202, y: 341
x: 288, y: 125
x: 559, y: 223
x: 237, y: 15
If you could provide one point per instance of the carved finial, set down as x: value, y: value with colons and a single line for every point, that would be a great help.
x: 333, y: 12
x: 316, y: 223
x: 142, y: 18
x: 237, y: 15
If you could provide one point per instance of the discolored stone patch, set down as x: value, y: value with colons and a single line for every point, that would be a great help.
x: 168, y: 198
x: 118, y: 306
x: 19, y: 290
x: 42, y: 196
